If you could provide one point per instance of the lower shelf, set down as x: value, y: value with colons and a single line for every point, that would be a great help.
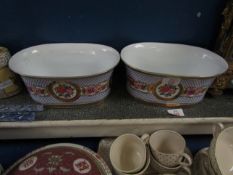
x: 105, y: 128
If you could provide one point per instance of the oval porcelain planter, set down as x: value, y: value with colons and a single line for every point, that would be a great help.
x: 66, y: 74
x: 170, y: 74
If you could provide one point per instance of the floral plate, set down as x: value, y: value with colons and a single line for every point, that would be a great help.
x: 60, y: 159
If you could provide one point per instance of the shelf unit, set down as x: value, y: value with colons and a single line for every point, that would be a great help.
x: 117, y: 114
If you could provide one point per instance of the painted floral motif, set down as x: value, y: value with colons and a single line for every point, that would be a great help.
x: 67, y: 91
x: 163, y: 89
x: 94, y: 89
x: 82, y: 166
x: 194, y: 91
x: 64, y: 91
x: 28, y: 163
x: 54, y: 160
x: 38, y: 91
x: 167, y: 91
x: 137, y: 85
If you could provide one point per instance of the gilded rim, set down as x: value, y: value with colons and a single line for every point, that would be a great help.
x: 169, y: 75
x: 173, y: 76
x: 65, y: 78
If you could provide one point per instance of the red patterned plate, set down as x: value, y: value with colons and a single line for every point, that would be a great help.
x: 60, y: 159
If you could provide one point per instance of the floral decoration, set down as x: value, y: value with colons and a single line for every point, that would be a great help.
x: 194, y: 91
x: 54, y: 160
x: 40, y: 91
x: 82, y: 166
x: 137, y: 85
x: 167, y: 91
x: 94, y: 89
x: 68, y: 91
x: 64, y: 91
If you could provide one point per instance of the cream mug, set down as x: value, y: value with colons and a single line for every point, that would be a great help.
x: 128, y: 154
x: 168, y: 147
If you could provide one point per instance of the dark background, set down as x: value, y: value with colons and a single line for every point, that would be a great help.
x: 112, y: 22
x: 116, y: 23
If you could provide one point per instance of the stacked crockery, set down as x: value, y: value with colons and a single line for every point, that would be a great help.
x: 221, y: 150
x: 201, y: 163
x: 128, y: 155
x: 168, y: 152
x: 8, y: 82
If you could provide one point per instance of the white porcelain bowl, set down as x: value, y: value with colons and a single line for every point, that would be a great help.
x: 170, y: 74
x: 66, y: 74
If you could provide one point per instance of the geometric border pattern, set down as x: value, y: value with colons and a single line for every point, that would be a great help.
x: 82, y: 82
x: 153, y: 79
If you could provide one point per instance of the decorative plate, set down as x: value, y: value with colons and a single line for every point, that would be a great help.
x: 62, y: 159
x: 64, y: 91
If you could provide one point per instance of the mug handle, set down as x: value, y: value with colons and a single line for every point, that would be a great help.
x: 217, y: 128
x: 187, y: 160
x: 145, y: 138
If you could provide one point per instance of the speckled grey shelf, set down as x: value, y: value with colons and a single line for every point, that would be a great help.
x: 117, y: 114
x: 120, y: 105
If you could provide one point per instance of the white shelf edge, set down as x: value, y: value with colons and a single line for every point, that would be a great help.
x: 106, y: 127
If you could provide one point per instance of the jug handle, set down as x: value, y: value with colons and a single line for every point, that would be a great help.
x: 217, y: 128
x: 145, y: 138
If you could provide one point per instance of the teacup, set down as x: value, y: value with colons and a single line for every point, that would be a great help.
x: 168, y: 147
x: 161, y: 169
x: 128, y: 154
x: 142, y: 171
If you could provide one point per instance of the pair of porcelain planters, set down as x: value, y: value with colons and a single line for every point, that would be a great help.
x: 80, y: 73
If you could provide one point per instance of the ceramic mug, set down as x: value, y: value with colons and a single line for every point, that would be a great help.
x: 142, y: 171
x: 128, y: 154
x: 168, y: 148
x: 161, y: 169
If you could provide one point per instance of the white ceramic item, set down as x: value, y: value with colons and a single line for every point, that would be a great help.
x: 221, y: 151
x: 66, y: 74
x: 128, y: 154
x: 168, y: 148
x: 170, y: 74
x: 143, y: 171
x: 201, y: 163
